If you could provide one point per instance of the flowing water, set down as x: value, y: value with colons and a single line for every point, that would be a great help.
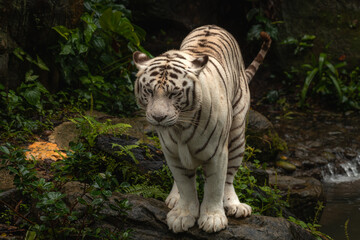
x: 327, y: 146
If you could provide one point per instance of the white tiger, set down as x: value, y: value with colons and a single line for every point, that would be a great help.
x: 198, y: 98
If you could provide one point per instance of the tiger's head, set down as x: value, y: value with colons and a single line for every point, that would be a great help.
x: 167, y: 86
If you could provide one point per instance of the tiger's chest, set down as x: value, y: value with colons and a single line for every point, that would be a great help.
x: 192, y: 147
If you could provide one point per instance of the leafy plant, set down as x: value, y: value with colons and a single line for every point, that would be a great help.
x: 313, y: 228
x: 90, y: 128
x: 261, y: 23
x: 96, y: 56
x: 351, y: 88
x: 305, y: 42
x: 326, y: 76
x: 22, y: 55
x: 126, y: 150
x: 23, y: 108
x: 146, y: 191
x: 51, y: 217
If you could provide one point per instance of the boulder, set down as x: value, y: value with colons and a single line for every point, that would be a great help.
x: 303, y: 194
x: 147, y: 156
x: 262, y: 135
x: 147, y: 219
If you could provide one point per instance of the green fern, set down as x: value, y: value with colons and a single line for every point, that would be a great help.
x: 90, y: 128
x: 146, y: 191
x: 126, y: 150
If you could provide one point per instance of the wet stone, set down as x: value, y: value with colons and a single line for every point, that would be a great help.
x: 303, y: 194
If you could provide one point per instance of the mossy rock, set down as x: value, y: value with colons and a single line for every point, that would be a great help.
x: 260, y: 134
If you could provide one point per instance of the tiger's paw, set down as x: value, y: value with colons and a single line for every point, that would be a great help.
x: 237, y: 209
x: 232, y: 205
x: 213, y: 222
x: 172, y: 200
x: 181, y: 219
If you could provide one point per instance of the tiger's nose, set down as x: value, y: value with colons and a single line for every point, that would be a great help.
x: 158, y: 118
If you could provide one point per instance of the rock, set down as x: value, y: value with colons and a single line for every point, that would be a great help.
x: 286, y: 165
x: 63, y: 134
x: 6, y: 180
x: 262, y: 135
x: 11, y: 196
x: 258, y: 121
x: 303, y: 193
x: 147, y: 219
x: 149, y: 157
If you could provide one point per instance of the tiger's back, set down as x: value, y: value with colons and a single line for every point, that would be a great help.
x: 197, y: 98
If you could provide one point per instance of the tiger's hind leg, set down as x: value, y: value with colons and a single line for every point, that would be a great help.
x: 236, y: 147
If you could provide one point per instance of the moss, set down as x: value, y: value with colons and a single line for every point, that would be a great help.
x: 268, y: 141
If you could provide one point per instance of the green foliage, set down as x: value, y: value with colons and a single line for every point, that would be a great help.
x: 126, y: 150
x: 21, y: 54
x: 326, y: 78
x: 264, y: 200
x: 23, y: 108
x: 313, y: 228
x: 350, y: 86
x: 146, y: 191
x: 53, y: 217
x: 306, y: 42
x: 96, y: 56
x: 260, y: 23
x: 90, y: 128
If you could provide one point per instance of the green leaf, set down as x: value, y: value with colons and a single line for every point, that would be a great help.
x: 307, y: 83
x: 5, y: 150
x: 30, y: 235
x: 29, y: 77
x: 97, y: 201
x: 86, y: 17
x: 99, y: 43
x: 88, y: 32
x: 66, y: 49
x: 82, y: 201
x: 331, y: 68
x: 18, y: 52
x: 290, y: 40
x: 63, y: 31
x: 40, y: 63
x: 322, y: 58
x: 336, y: 83
x: 32, y: 96
x: 307, y: 37
x: 113, y: 21
x: 254, y: 32
x: 82, y: 48
x: 110, y: 19
x: 13, y: 170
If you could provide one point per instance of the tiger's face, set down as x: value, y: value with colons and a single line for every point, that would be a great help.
x: 167, y: 86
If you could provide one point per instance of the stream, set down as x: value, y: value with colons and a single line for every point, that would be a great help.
x: 327, y: 146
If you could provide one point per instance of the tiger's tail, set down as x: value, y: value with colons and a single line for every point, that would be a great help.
x: 254, y: 66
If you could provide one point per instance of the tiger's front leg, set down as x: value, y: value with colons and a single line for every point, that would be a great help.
x: 212, y: 214
x: 184, y: 214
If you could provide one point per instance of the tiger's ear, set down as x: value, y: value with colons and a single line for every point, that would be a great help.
x: 140, y: 60
x: 199, y: 63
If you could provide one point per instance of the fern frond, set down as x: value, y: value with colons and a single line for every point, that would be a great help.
x: 146, y: 191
